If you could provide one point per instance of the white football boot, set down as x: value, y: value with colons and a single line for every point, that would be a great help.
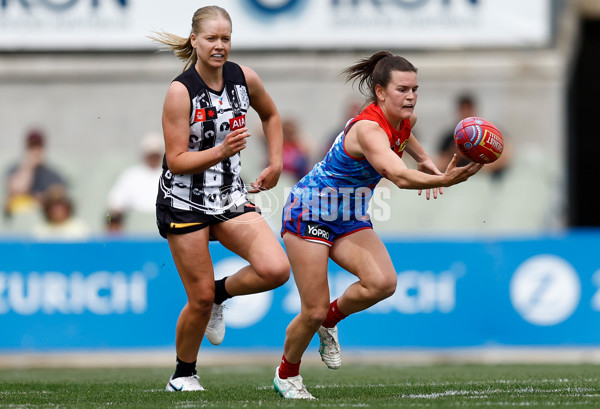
x: 330, y: 350
x: 184, y: 384
x: 215, y: 330
x: 291, y: 388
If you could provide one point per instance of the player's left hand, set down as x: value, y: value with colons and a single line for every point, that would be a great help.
x: 427, y: 166
x: 267, y: 179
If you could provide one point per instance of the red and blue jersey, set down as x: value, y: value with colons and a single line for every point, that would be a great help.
x: 338, y: 188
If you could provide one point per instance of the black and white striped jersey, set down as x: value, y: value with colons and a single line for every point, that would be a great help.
x: 213, y: 116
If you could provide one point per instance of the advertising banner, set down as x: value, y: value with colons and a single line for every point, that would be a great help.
x: 279, y: 24
x: 466, y: 293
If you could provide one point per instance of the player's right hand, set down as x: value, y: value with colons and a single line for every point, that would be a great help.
x: 235, y: 142
x: 461, y: 174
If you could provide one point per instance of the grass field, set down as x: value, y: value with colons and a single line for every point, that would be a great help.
x: 353, y: 386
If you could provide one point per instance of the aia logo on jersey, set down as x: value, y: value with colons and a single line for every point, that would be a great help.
x: 205, y: 114
x: 237, y: 122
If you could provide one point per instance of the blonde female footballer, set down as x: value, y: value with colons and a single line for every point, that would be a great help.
x: 201, y: 195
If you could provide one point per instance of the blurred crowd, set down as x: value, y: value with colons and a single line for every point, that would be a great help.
x: 38, y: 200
x: 37, y: 196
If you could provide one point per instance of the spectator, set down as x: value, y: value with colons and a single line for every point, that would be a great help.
x: 466, y: 107
x: 59, y: 220
x: 296, y: 156
x: 28, y: 180
x: 114, y: 223
x: 135, y: 189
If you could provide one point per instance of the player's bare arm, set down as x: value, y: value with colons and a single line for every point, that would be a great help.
x: 176, y: 128
x: 265, y: 107
x: 374, y: 146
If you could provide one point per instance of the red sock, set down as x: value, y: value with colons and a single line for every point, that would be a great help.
x: 288, y: 369
x: 333, y: 316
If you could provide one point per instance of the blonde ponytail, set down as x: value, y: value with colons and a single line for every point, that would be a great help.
x: 181, y: 46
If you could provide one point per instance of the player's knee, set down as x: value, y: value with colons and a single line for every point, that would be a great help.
x: 388, y: 287
x: 309, y: 319
x: 275, y: 272
x: 383, y: 288
x: 314, y: 321
x: 201, y: 302
x: 314, y: 317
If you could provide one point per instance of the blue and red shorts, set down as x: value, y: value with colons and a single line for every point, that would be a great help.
x: 307, y: 223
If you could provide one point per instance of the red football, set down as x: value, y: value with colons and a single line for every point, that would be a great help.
x: 478, y: 140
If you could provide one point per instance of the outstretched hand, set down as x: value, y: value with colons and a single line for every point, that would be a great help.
x: 461, y: 174
x: 429, y: 167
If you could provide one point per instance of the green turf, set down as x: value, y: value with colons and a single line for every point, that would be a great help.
x: 352, y: 386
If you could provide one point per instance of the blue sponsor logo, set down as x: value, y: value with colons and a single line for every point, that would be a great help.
x: 273, y: 8
x: 406, y: 4
x: 276, y: 7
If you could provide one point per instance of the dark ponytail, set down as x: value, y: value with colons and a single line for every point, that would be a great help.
x: 376, y: 70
